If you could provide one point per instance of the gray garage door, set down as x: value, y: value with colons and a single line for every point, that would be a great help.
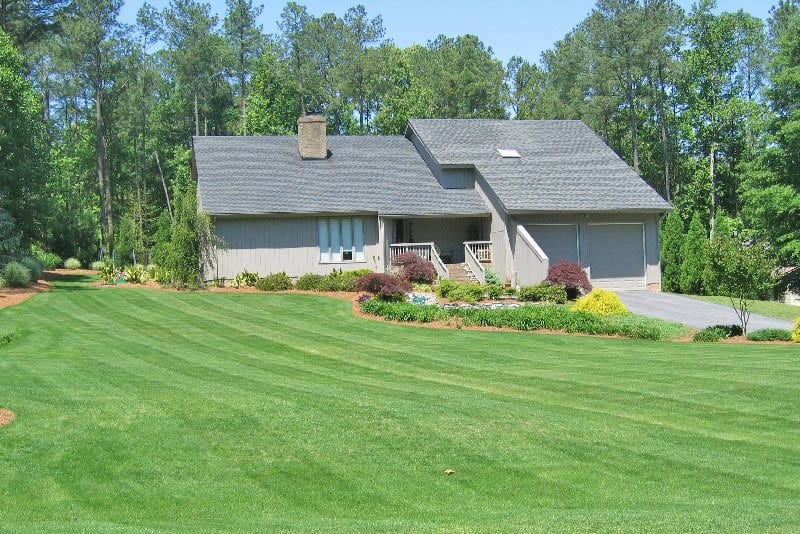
x: 616, y: 256
x: 559, y: 241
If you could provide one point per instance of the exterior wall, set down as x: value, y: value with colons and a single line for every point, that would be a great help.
x: 272, y: 244
x: 651, y: 236
x: 501, y: 234
x: 448, y: 234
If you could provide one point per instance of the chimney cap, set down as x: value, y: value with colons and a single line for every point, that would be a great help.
x: 311, y: 118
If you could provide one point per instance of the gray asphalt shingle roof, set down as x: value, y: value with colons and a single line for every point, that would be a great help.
x: 253, y: 175
x: 564, y: 166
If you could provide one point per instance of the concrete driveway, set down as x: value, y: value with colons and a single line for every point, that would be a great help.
x: 691, y: 312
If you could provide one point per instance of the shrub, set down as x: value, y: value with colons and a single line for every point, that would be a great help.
x: 421, y: 271
x: 245, y: 278
x: 601, y: 302
x: 694, y: 257
x: 309, y: 282
x: 422, y: 288
x: 494, y: 291
x: 407, y: 258
x: 383, y: 286
x: 492, y: 278
x: 274, y: 282
x: 342, y: 280
x: 770, y: 334
x: 17, y: 275
x: 444, y: 287
x: 469, y: 293
x: 108, y: 273
x: 731, y: 329
x: 543, y: 292
x: 711, y: 334
x: 73, y: 264
x: 135, y: 274
x: 571, y: 276
x: 2, y: 282
x: 34, y: 266
x: 97, y: 265
x: 49, y: 260
x: 796, y: 331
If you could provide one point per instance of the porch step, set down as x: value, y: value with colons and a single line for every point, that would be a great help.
x: 460, y: 272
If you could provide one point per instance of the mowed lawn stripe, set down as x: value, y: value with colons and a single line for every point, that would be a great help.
x: 244, y: 411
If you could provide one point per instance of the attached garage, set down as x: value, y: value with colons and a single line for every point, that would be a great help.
x: 558, y: 241
x: 617, y: 255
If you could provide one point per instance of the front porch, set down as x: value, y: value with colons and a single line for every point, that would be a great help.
x: 458, y: 247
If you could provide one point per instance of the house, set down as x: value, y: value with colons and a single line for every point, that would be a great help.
x: 468, y: 194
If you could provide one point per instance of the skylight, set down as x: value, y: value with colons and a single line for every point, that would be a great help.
x: 508, y: 153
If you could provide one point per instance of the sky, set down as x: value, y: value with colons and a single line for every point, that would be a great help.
x: 524, y: 28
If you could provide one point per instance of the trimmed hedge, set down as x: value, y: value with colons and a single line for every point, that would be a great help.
x: 770, y: 334
x: 543, y: 292
x: 522, y: 318
x: 274, y: 282
x: 601, y: 302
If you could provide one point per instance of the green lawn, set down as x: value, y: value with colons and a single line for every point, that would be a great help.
x: 141, y: 409
x: 770, y: 308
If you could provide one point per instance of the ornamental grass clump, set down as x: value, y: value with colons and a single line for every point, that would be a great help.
x: 73, y: 264
x: 17, y: 275
x: 97, y: 265
x: 571, y: 277
x: 135, y: 274
x: 600, y: 302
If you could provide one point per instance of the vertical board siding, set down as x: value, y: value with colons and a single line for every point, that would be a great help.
x: 448, y: 234
x: 291, y: 244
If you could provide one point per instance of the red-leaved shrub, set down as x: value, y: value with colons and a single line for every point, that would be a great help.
x: 384, y: 286
x: 415, y: 268
x: 406, y: 258
x: 571, y: 276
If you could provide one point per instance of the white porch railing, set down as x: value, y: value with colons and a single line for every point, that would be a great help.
x: 474, y: 264
x: 426, y: 251
x: 530, y: 260
x: 482, y: 250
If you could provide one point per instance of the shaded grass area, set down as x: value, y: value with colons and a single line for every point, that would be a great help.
x: 770, y: 308
x: 145, y: 409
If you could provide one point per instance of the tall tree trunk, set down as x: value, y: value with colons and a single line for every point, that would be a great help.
x: 243, y: 91
x: 196, y: 113
x: 634, y: 128
x: 712, y: 222
x: 662, y: 119
x: 164, y: 183
x: 101, y: 145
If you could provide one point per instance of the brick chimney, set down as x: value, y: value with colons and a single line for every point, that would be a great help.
x: 311, y: 137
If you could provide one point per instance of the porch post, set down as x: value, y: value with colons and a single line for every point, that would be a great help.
x: 380, y: 262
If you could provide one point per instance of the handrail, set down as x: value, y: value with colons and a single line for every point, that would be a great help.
x: 481, y: 249
x: 530, y: 260
x: 474, y: 265
x: 532, y: 244
x: 438, y: 264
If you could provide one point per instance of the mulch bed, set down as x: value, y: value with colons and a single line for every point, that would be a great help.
x: 11, y: 296
x: 6, y: 416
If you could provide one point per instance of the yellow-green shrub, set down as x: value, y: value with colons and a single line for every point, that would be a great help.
x: 601, y: 302
x: 796, y: 331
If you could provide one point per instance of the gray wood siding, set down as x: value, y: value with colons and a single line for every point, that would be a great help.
x: 652, y: 273
x: 500, y: 234
x: 273, y: 244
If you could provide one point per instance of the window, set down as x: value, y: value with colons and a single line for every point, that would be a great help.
x: 341, y: 239
x: 508, y: 153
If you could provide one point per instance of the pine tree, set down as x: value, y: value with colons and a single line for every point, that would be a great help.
x: 672, y: 239
x: 695, y: 257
